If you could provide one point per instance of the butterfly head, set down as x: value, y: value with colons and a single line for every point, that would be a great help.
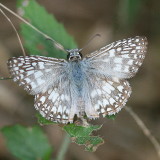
x: 74, y: 55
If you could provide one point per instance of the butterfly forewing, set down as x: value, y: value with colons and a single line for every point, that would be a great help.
x: 121, y: 59
x: 35, y: 73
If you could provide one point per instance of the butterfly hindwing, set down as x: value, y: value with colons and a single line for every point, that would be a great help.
x: 108, y: 96
x: 54, y: 105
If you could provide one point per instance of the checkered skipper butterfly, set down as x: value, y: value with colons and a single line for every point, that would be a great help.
x: 94, y: 84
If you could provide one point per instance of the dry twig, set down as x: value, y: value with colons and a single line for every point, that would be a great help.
x: 145, y: 130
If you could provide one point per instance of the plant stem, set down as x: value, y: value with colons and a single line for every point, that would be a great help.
x: 145, y: 130
x: 3, y: 78
x: 64, y: 147
x: 58, y: 45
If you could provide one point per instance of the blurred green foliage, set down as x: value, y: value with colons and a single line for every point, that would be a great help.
x: 129, y: 10
x: 111, y: 116
x: 27, y: 143
x: 128, y: 13
x: 35, y: 43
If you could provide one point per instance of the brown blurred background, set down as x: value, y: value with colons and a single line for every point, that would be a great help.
x: 114, y: 20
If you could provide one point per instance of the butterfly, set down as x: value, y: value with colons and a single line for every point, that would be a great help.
x: 93, y: 85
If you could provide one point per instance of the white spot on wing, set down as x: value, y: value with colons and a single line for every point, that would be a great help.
x: 62, y: 97
x: 27, y: 80
x: 51, y: 95
x: 99, y: 91
x: 109, y: 109
x: 118, y: 60
x: 105, y: 88
x: 125, y: 56
x: 55, y: 96
x: 120, y: 88
x: 111, y: 100
x: 134, y: 51
x: 93, y: 94
x: 33, y: 85
x: 118, y: 69
x: 59, y: 109
x: 40, y: 81
x: 105, y: 102
x: 96, y: 107
x: 112, y: 53
x: 119, y: 49
x: 138, y: 47
x: 130, y: 62
x: 16, y: 68
x: 30, y: 72
x: 38, y: 74
x: 54, y: 109
x: 43, y: 98
x: 41, y: 65
x: 34, y: 64
x: 126, y: 69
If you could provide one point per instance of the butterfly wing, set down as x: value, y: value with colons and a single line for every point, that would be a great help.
x: 108, y: 96
x: 54, y: 104
x: 36, y: 73
x: 120, y: 59
x: 108, y: 68
x: 47, y: 79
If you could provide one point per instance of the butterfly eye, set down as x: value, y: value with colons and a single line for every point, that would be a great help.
x: 71, y: 58
x: 74, y: 55
x: 74, y: 58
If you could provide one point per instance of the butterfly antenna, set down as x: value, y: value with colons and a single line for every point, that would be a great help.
x: 88, y: 42
x: 19, y: 39
x: 57, y: 45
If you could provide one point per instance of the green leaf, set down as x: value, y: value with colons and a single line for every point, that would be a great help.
x: 113, y: 117
x: 78, y: 134
x: 43, y: 121
x: 129, y: 10
x: 36, y: 43
x: 82, y: 136
x: 91, y: 143
x: 27, y: 143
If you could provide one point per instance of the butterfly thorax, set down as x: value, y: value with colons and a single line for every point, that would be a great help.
x: 74, y: 55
